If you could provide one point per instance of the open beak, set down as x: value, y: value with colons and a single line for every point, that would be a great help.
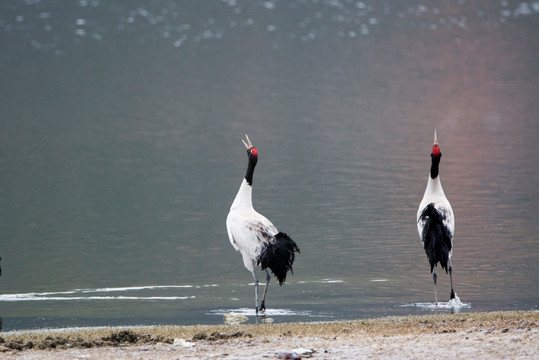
x: 247, y: 144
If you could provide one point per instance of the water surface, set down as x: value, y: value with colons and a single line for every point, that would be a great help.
x: 120, y: 155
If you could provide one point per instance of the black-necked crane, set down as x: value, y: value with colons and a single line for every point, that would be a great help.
x: 436, y: 222
x: 255, y: 237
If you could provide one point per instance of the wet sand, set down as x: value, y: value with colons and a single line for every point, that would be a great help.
x: 496, y: 335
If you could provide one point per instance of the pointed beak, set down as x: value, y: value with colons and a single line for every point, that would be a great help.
x: 435, y: 138
x: 247, y: 144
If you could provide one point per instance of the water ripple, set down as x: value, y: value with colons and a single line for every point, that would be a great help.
x: 85, y: 294
x: 455, y: 305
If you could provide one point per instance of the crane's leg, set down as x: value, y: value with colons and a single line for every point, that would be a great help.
x: 434, y: 277
x: 256, y: 291
x: 452, y: 296
x: 263, y: 304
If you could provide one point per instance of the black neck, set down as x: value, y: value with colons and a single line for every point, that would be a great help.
x: 250, y: 171
x: 435, y: 167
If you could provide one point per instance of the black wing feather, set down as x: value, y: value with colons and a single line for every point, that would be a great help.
x: 436, y: 237
x: 279, y: 256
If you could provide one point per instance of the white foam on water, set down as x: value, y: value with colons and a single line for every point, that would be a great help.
x: 7, y: 298
x: 331, y: 281
x: 323, y: 281
x: 86, y: 294
x: 135, y: 288
x: 453, y: 304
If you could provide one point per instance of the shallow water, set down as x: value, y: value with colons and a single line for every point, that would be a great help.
x: 120, y: 154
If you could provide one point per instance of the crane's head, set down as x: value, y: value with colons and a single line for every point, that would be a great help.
x: 436, y: 153
x: 252, y: 152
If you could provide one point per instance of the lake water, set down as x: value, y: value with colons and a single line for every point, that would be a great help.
x: 120, y: 154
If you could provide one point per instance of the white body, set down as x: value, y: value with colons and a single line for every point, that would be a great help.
x: 434, y: 193
x: 247, y: 229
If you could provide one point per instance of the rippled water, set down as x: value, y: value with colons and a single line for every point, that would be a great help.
x: 120, y: 155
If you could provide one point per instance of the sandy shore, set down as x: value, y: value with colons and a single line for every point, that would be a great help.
x: 496, y: 335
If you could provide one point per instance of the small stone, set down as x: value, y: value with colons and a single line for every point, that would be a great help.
x: 287, y: 355
x: 183, y: 342
x: 303, y: 352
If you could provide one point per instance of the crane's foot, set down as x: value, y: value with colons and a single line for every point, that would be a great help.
x: 452, y: 296
x: 262, y: 308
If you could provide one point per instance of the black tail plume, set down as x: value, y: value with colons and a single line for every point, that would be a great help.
x: 436, y: 237
x: 279, y: 256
